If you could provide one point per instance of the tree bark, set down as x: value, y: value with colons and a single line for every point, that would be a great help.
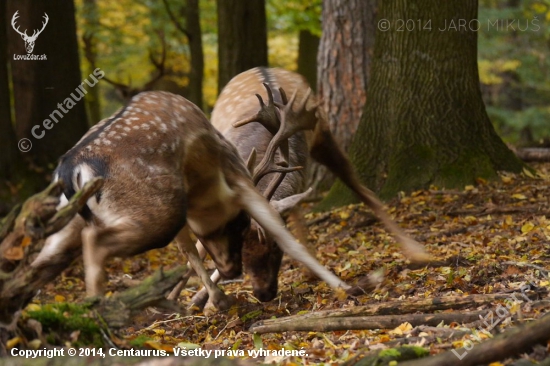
x: 10, y: 155
x: 343, y: 66
x: 196, y: 75
x: 424, y: 122
x: 344, y: 60
x: 41, y: 86
x: 242, y: 37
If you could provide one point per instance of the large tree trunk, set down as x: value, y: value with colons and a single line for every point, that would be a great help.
x: 193, y: 27
x: 343, y: 64
x: 8, y: 142
x: 242, y: 37
x: 424, y: 121
x: 41, y: 86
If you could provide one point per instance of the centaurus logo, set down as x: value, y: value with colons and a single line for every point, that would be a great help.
x: 29, y: 40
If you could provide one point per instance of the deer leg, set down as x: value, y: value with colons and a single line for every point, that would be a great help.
x: 94, y: 256
x: 218, y: 299
x: 325, y: 150
x: 201, y: 298
x: 60, y: 250
x: 176, y: 291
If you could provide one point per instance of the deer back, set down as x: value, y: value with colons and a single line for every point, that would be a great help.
x: 237, y: 101
x: 164, y: 165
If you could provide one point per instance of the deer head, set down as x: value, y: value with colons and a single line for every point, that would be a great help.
x: 29, y: 40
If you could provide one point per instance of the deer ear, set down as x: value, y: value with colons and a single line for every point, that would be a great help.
x: 285, y: 204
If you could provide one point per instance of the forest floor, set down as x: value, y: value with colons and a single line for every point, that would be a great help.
x: 490, y: 238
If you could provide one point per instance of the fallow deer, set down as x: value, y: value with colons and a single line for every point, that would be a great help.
x: 291, y: 135
x: 167, y: 172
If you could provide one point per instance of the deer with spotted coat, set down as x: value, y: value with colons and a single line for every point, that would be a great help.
x: 276, y: 129
x: 167, y: 173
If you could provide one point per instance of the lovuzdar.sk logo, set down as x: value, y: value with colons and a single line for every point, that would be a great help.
x: 29, y: 40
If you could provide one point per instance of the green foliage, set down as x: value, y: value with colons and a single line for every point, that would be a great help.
x: 60, y: 320
x: 140, y: 341
x: 294, y: 16
x: 514, y: 62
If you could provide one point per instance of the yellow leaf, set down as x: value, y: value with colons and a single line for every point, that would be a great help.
x: 13, y: 342
x: 159, y: 331
x: 26, y: 241
x: 528, y: 173
x: 528, y: 226
x: 496, y: 364
x: 344, y: 215
x: 159, y: 346
x: 59, y: 298
x: 341, y: 295
x: 384, y: 338
x: 33, y: 307
x: 506, y: 179
x: 401, y: 329
x: 519, y: 196
x: 509, y: 220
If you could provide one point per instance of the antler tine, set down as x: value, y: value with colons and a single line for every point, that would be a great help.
x: 267, y: 116
x: 273, y: 169
x: 251, y: 160
x: 301, y: 119
x: 35, y: 33
x: 13, y: 25
x: 273, y: 185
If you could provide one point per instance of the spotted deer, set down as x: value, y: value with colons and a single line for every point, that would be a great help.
x: 275, y: 129
x: 167, y: 173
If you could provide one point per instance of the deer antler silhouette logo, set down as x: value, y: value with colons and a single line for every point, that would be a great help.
x: 29, y: 40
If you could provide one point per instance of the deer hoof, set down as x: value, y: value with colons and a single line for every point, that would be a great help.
x: 222, y: 303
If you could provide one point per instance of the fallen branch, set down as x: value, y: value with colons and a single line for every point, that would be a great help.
x: 388, y: 308
x: 363, y: 322
x: 495, y: 211
x: 510, y: 343
x: 118, y: 309
x: 534, y: 154
x: 37, y: 218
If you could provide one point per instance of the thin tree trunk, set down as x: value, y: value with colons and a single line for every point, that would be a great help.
x: 242, y: 37
x: 93, y: 101
x: 424, y: 121
x: 308, y: 45
x: 343, y: 64
x: 42, y: 88
x: 193, y: 27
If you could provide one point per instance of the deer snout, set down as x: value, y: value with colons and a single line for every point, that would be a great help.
x: 262, y: 260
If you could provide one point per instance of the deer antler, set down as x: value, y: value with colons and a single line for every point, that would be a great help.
x: 36, y: 33
x: 13, y: 19
x: 274, y: 117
